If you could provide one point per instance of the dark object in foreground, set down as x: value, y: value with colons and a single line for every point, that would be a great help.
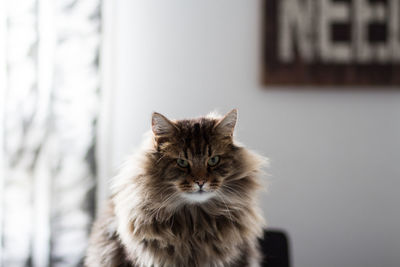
x: 275, y: 249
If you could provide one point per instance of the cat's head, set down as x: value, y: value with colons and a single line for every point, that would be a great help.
x: 196, y: 157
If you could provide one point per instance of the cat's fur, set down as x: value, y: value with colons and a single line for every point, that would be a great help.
x: 157, y: 215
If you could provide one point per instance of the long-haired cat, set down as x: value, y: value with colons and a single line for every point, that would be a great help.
x: 187, y: 199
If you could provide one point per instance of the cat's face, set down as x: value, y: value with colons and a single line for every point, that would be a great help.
x: 195, y: 156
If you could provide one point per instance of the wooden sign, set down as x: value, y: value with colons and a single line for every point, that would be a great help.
x: 331, y: 42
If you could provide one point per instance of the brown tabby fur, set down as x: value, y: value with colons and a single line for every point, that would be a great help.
x: 148, y: 223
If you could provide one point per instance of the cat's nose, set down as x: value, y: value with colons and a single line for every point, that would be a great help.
x: 200, y: 183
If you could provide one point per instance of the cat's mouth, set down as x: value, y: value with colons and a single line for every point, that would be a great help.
x: 198, y: 196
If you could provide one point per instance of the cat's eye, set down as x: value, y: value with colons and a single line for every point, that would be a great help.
x: 213, y: 161
x: 182, y: 163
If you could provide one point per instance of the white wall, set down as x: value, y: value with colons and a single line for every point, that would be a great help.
x: 335, y: 155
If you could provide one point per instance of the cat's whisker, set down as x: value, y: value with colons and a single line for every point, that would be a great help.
x: 229, y: 212
x: 163, y: 156
x: 164, y: 204
x: 231, y: 189
x: 219, y: 194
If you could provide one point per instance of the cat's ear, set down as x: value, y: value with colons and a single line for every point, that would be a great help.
x: 226, y: 125
x: 161, y: 125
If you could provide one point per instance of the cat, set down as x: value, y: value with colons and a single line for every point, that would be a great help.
x: 188, y: 198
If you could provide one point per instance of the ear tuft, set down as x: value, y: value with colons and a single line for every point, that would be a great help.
x: 226, y: 125
x: 161, y: 125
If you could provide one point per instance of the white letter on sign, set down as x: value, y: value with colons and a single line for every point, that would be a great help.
x: 295, y: 23
x: 364, y: 15
x: 394, y: 30
x: 331, y: 51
